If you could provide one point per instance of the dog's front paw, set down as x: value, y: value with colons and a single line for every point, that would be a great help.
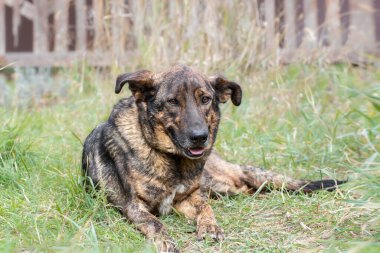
x: 212, y: 230
x: 166, y: 244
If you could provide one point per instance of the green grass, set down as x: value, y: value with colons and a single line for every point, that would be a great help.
x: 301, y: 120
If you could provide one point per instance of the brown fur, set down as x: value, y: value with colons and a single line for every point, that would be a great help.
x: 155, y: 152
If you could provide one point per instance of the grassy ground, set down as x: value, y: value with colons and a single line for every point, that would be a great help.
x: 305, y: 121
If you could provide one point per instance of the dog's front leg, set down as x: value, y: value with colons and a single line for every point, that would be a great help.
x: 150, y: 226
x: 195, y: 207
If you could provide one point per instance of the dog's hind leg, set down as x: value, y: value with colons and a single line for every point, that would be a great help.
x: 222, y: 177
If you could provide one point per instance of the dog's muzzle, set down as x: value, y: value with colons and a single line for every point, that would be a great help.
x: 198, y: 142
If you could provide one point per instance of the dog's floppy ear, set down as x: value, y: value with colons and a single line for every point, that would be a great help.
x: 226, y: 89
x: 140, y: 83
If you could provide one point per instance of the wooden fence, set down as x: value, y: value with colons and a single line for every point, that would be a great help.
x: 60, y: 32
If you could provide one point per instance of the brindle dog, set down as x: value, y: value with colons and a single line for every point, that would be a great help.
x: 155, y: 152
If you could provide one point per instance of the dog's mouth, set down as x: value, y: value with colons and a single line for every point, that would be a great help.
x: 195, y: 152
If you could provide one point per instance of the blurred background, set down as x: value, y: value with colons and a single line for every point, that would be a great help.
x: 310, y: 75
x: 136, y: 33
x: 55, y: 33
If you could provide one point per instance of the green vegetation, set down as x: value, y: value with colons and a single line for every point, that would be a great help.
x: 301, y: 120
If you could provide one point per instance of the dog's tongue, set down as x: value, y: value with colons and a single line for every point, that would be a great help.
x: 196, y: 151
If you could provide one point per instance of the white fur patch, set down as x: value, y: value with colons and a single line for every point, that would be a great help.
x: 166, y: 204
x: 180, y: 188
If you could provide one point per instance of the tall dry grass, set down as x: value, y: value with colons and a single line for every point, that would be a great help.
x: 216, y: 35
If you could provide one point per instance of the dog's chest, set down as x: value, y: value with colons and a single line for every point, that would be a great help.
x: 166, y: 204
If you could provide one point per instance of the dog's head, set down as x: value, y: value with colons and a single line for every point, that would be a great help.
x: 178, y: 109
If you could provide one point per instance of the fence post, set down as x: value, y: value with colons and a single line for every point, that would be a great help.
x: 61, y: 24
x: 2, y: 28
x: 98, y: 25
x: 40, y: 27
x: 81, y: 20
x: 290, y: 25
x: 270, y: 38
x: 333, y: 24
x: 117, y: 7
x: 310, y: 36
x: 361, y: 38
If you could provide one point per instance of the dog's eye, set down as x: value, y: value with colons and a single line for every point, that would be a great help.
x: 205, y: 100
x: 173, y: 101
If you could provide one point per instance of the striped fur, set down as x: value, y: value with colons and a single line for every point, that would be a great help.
x: 154, y: 153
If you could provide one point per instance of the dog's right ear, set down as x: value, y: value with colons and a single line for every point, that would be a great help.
x: 140, y: 83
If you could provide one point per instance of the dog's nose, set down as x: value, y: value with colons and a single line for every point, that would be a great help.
x: 199, y: 137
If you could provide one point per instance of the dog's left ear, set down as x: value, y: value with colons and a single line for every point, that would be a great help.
x: 226, y: 89
x: 140, y: 83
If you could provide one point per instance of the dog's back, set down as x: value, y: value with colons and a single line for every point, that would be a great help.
x: 90, y: 147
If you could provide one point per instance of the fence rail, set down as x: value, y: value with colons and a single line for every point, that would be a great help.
x: 60, y: 32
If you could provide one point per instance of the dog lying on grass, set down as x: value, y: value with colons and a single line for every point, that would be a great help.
x: 155, y: 153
